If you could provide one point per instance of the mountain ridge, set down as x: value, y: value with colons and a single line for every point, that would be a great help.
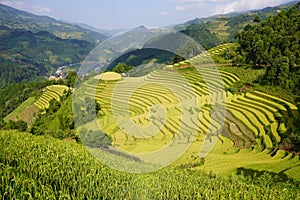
x: 14, y: 18
x: 225, y: 26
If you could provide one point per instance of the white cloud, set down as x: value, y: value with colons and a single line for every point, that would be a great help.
x: 164, y: 13
x: 40, y: 9
x: 200, y: 1
x: 180, y: 8
x: 243, y: 5
x: 225, y: 6
x: 24, y: 6
x: 196, y: 4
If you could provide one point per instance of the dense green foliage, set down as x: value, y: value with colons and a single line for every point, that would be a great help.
x: 202, y: 35
x: 274, y: 43
x: 86, y: 110
x: 94, y: 139
x: 57, y: 120
x: 42, y: 167
x: 26, y: 55
x: 122, y: 68
x: 13, y: 125
x: 17, y: 19
x: 141, y: 57
x: 70, y: 79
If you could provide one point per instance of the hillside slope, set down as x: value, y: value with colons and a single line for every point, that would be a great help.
x: 224, y: 27
x: 26, y: 55
x: 55, y: 169
x: 18, y: 19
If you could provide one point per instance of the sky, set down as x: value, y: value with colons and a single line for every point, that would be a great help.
x: 115, y: 14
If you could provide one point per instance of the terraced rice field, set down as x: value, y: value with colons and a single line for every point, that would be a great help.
x: 24, y: 112
x: 51, y: 92
x: 28, y: 110
x: 251, y: 126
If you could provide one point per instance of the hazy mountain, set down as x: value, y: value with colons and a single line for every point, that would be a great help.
x: 225, y: 26
x: 14, y: 18
x: 25, y: 55
x: 106, y: 32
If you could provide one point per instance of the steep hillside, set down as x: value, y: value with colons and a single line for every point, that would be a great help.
x: 200, y: 33
x: 26, y: 55
x: 247, y: 150
x: 54, y: 169
x: 17, y: 19
x: 224, y: 27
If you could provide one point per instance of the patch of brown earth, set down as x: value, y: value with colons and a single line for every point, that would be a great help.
x: 248, y: 137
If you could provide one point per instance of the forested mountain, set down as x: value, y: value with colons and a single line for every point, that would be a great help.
x: 224, y: 27
x: 26, y: 55
x: 203, y: 35
x: 274, y: 44
x: 18, y: 19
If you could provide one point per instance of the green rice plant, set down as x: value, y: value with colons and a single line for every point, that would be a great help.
x: 255, y: 122
x: 52, y: 92
x: 243, y: 119
x: 272, y: 104
x: 50, y: 168
x: 291, y: 107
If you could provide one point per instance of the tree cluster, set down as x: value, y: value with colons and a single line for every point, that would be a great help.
x: 274, y: 44
x: 94, y: 139
x: 86, y: 110
x: 13, y: 125
x: 122, y: 68
x: 202, y: 35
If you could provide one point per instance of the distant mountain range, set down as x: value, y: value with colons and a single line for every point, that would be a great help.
x: 17, y: 19
x: 106, y: 32
x: 33, y: 46
x: 25, y: 55
x: 225, y: 26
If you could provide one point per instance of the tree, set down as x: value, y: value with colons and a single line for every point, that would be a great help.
x: 70, y: 78
x: 274, y: 44
x: 85, y: 110
x: 94, y: 139
x: 17, y: 125
x: 283, y: 71
x: 54, y: 105
x: 257, y: 19
x: 122, y: 68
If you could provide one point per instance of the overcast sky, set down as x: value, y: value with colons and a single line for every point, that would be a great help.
x: 112, y: 14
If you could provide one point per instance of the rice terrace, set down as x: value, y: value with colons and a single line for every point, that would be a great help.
x: 252, y: 127
x: 206, y: 109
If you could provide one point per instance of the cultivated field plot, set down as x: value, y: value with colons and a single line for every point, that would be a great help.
x: 51, y: 92
x: 28, y: 110
x: 50, y: 166
x: 249, y: 129
x: 24, y: 112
